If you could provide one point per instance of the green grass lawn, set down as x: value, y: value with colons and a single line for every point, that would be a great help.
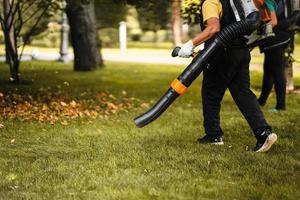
x: 109, y: 158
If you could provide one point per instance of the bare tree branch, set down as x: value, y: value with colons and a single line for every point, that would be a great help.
x: 2, y: 22
x: 15, y: 14
x: 27, y: 8
x: 12, y: 12
x: 11, y: 6
x: 27, y: 36
x: 20, y: 22
x: 31, y: 16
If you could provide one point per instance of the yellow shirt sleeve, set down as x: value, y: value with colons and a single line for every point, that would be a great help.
x: 210, y: 9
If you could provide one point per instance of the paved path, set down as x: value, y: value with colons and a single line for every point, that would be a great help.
x: 145, y: 56
x: 131, y: 55
x: 160, y: 56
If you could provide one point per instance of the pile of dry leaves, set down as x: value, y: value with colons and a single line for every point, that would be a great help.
x: 52, y: 109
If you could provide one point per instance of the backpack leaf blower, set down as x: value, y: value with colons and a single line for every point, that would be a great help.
x: 251, y: 21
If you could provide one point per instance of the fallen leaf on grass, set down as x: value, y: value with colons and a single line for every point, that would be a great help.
x: 111, y: 106
x: 64, y: 123
x: 73, y: 103
x: 124, y: 92
x: 145, y: 105
x: 63, y: 103
x: 66, y: 83
x: 13, y: 187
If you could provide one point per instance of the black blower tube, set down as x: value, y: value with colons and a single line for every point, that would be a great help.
x: 193, y: 70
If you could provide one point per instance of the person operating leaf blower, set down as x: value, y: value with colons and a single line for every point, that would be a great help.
x: 230, y: 69
x: 225, y: 61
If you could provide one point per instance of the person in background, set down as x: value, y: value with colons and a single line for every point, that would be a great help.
x: 274, y: 61
x: 229, y: 69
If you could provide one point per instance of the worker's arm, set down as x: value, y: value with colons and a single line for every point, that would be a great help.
x: 212, y: 27
x: 211, y: 10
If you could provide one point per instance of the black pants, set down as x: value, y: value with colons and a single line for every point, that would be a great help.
x: 230, y: 69
x: 274, y: 74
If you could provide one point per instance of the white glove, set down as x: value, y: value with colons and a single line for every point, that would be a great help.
x: 186, y: 50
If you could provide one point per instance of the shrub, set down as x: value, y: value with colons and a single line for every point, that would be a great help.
x: 109, y: 37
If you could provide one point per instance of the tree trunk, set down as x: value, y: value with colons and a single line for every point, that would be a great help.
x: 176, y: 22
x: 85, y: 42
x: 10, y: 42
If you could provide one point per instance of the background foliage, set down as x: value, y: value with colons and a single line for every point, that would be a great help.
x: 190, y: 10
